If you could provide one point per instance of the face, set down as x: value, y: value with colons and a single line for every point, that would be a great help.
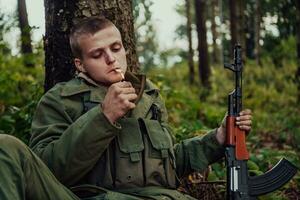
x: 103, y: 56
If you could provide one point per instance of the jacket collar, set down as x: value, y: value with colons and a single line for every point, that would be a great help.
x: 83, y: 84
x: 87, y: 79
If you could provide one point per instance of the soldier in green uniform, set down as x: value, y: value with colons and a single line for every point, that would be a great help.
x: 103, y: 134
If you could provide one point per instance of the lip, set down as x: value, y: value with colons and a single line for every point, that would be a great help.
x: 115, y: 69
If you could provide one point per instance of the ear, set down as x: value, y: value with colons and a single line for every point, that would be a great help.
x: 79, y: 65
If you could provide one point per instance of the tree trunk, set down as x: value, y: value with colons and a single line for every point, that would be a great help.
x: 214, y: 8
x: 233, y: 23
x: 297, y: 76
x: 62, y: 14
x: 250, y: 23
x: 189, y: 35
x: 203, y: 64
x: 26, y: 47
x: 237, y: 27
x: 241, y: 36
x: 257, y: 31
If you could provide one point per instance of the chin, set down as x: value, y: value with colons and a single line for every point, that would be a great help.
x: 111, y: 81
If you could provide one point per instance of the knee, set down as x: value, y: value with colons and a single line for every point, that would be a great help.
x: 9, y: 143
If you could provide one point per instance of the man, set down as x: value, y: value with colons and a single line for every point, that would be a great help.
x: 104, y: 134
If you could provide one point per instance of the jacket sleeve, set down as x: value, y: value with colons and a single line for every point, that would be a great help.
x: 194, y: 154
x: 69, y: 148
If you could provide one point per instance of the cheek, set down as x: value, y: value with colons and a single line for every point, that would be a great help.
x: 122, y: 59
x: 94, y: 67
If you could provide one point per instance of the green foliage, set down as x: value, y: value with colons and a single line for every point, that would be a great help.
x: 279, y: 50
x: 20, y: 90
x: 6, y: 23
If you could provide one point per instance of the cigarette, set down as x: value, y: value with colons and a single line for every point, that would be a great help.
x: 120, y: 71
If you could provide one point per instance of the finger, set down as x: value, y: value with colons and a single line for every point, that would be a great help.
x: 129, y: 105
x: 246, y: 122
x: 245, y: 128
x: 124, y: 84
x: 128, y: 90
x: 246, y: 112
x: 244, y: 118
x: 121, y: 87
x: 128, y: 97
x: 131, y: 97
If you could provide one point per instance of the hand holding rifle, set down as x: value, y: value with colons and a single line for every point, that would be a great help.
x: 243, y: 121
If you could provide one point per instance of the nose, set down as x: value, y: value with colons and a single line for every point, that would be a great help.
x: 109, y: 57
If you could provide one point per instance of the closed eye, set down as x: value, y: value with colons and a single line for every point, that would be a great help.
x: 116, y: 47
x: 97, y: 54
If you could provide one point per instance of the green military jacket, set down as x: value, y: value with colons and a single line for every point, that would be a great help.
x: 135, y: 156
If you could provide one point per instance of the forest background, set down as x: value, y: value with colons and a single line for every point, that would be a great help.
x: 190, y: 75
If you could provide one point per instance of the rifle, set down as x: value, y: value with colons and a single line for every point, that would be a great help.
x: 239, y: 184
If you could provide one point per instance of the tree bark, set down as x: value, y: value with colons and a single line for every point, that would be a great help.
x: 26, y: 47
x: 189, y: 35
x: 62, y: 14
x: 203, y: 64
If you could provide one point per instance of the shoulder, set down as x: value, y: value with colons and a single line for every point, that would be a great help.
x: 151, y: 85
x: 151, y: 88
x: 65, y: 97
x: 63, y: 90
x: 57, y: 89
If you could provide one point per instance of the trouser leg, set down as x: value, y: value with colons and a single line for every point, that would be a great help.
x: 24, y: 176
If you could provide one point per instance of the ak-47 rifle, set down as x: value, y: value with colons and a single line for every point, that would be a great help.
x: 239, y: 184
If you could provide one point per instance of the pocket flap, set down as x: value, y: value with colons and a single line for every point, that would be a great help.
x: 159, y: 138
x: 130, y: 139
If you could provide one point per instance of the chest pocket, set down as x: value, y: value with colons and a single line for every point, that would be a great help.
x: 129, y: 155
x: 130, y: 139
x: 160, y: 141
x: 159, y: 163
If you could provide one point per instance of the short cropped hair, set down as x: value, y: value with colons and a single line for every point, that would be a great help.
x: 86, y: 26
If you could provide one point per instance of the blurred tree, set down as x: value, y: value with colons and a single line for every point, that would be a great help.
x: 284, y: 11
x: 237, y: 26
x: 257, y: 31
x: 145, y: 33
x: 297, y: 76
x: 211, y: 16
x: 214, y: 13
x: 233, y: 23
x: 25, y: 29
x: 4, y: 28
x: 249, y: 21
x: 189, y: 36
x: 203, y: 63
x: 182, y: 29
x: 283, y: 26
x: 60, y: 15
